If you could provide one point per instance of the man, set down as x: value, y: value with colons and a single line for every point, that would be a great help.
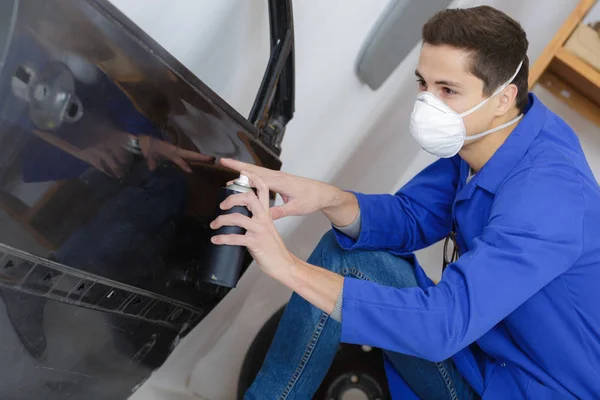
x: 516, y: 314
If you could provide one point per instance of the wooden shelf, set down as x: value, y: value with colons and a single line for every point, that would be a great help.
x: 563, y: 34
x: 564, y: 74
x: 575, y: 72
x: 581, y: 67
x: 565, y: 92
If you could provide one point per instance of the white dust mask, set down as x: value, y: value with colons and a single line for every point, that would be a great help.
x: 440, y: 130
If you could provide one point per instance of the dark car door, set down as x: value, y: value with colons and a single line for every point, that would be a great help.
x: 103, y: 235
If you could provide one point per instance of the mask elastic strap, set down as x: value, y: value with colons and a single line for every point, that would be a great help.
x: 496, y: 92
x: 496, y: 129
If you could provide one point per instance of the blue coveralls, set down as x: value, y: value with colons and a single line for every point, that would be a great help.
x: 519, y: 312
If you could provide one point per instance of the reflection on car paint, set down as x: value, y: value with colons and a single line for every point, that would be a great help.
x: 104, y: 232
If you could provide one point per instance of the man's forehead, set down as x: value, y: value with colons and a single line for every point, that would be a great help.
x: 446, y: 64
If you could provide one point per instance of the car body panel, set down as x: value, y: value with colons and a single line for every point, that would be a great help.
x: 99, y: 248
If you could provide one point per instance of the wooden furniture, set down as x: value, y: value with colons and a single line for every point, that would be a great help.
x: 567, y: 76
x: 45, y: 219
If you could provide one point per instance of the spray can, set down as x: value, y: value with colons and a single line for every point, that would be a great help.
x: 224, y: 263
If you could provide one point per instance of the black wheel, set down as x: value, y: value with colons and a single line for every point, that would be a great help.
x: 357, y: 372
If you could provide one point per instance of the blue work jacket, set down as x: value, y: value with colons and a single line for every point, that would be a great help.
x: 519, y: 312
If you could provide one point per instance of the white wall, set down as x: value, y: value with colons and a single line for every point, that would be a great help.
x: 588, y: 132
x: 224, y: 42
x: 360, y: 136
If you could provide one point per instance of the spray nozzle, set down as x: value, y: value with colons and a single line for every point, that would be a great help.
x: 243, y: 181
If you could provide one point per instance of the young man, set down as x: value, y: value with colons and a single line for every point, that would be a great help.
x: 516, y: 313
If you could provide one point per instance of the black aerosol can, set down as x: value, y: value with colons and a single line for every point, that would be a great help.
x: 225, y: 262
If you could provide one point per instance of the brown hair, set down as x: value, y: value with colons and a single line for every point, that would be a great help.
x: 498, y: 44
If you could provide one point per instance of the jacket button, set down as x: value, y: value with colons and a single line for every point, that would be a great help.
x: 503, y: 364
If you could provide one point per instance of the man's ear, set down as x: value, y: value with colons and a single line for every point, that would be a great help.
x: 507, y: 100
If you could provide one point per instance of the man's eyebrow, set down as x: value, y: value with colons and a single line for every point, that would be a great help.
x: 443, y: 83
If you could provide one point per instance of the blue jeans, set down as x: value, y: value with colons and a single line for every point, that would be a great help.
x: 307, y: 340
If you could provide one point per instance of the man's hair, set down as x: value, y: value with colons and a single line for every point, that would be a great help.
x: 497, y: 42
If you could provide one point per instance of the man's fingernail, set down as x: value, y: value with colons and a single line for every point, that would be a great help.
x: 213, y: 239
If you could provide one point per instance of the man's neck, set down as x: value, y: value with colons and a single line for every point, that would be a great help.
x: 477, y: 154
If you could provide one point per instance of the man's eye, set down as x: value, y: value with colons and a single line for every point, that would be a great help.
x: 448, y: 91
x: 421, y: 83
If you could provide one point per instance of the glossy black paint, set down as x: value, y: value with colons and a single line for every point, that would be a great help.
x: 101, y: 249
x: 276, y: 94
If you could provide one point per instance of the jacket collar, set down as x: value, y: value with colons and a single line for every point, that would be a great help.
x: 495, y: 171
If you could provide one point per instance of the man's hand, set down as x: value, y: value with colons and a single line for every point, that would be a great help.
x: 109, y: 157
x: 315, y: 284
x: 302, y: 196
x: 155, y: 150
x: 112, y: 158
x: 261, y: 238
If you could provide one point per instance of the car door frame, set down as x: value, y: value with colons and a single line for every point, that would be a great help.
x: 274, y: 104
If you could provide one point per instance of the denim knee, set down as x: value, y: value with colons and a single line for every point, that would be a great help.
x: 328, y: 254
x: 377, y: 266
